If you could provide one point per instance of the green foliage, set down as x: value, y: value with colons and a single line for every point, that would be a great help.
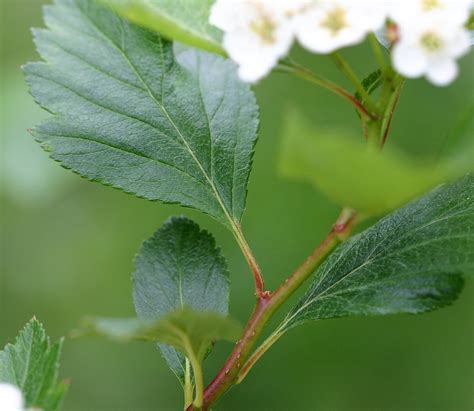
x: 354, y: 175
x: 371, y: 83
x: 411, y: 261
x: 32, y: 363
x: 179, y: 266
x: 191, y: 332
x: 186, y: 21
x: 128, y: 114
x: 130, y: 111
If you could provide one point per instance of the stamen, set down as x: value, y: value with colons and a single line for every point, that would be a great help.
x: 335, y: 20
x: 431, y: 41
x: 428, y: 5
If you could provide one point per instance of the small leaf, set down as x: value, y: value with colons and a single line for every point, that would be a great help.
x: 179, y: 266
x: 371, y: 83
x: 352, y: 174
x: 128, y: 114
x: 190, y: 332
x: 411, y: 261
x: 32, y: 363
x: 186, y: 21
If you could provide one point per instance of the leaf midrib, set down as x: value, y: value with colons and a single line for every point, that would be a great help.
x: 28, y: 358
x: 114, y: 110
x: 374, y: 254
x: 366, y: 262
x: 165, y: 112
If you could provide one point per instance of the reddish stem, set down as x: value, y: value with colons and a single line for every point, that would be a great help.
x: 308, y: 75
x: 391, y: 113
x: 266, y: 306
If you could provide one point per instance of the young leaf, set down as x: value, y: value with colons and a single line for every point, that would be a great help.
x: 32, y: 363
x: 179, y: 266
x: 186, y: 21
x: 411, y: 261
x: 352, y: 175
x: 371, y: 83
x: 127, y: 114
x: 190, y: 332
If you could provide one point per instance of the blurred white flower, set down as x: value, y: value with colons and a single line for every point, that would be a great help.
x: 428, y: 34
x: 326, y: 25
x: 407, y: 12
x: 430, y: 46
x: 257, y: 33
x: 11, y: 398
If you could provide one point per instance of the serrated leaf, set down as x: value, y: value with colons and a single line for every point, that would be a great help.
x: 32, y: 363
x: 190, y: 332
x: 186, y: 21
x: 128, y: 114
x: 411, y: 261
x: 179, y: 266
x: 351, y: 174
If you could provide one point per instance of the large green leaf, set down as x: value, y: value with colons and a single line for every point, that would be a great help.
x: 190, y: 332
x: 32, y: 363
x: 411, y: 261
x: 352, y: 174
x: 179, y: 266
x: 127, y: 114
x: 182, y: 20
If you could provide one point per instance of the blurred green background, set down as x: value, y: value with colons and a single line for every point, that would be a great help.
x: 67, y: 247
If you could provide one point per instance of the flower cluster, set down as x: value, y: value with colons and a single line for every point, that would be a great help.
x: 429, y: 34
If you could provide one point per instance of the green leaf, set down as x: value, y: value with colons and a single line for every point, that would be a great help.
x: 179, y: 266
x: 411, y: 261
x: 190, y: 332
x: 128, y: 114
x: 354, y: 175
x: 371, y: 83
x: 32, y: 363
x: 186, y: 21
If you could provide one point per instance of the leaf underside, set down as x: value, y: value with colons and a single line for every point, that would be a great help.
x: 411, y: 261
x: 350, y: 174
x: 179, y: 266
x: 190, y: 332
x: 129, y: 115
x: 186, y: 21
x: 32, y: 363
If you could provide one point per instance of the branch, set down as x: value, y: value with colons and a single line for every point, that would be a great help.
x: 266, y: 306
x: 390, y: 110
x: 251, y: 260
x: 350, y: 74
x: 378, y: 53
x: 308, y: 75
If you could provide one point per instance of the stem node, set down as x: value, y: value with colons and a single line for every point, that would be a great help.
x: 240, y: 361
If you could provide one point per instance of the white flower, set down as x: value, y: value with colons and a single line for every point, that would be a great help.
x: 11, y: 398
x: 327, y: 25
x: 256, y: 33
x: 430, y: 46
x: 407, y: 12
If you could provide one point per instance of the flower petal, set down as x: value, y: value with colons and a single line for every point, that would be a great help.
x: 11, y: 398
x: 408, y: 60
x: 442, y: 73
